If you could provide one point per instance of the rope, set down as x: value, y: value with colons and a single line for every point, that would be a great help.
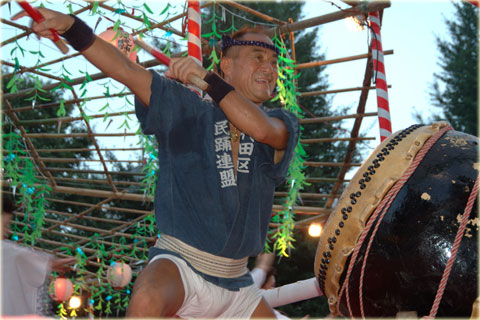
x: 382, y: 208
x: 455, y: 247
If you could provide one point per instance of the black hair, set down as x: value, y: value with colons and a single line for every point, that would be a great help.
x: 239, y: 34
x: 8, y: 204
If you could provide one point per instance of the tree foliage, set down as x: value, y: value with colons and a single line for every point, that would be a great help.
x: 455, y: 89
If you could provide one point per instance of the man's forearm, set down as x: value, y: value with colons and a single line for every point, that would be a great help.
x: 116, y: 65
x: 251, y: 120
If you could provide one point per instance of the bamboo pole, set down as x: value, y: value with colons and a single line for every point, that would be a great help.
x: 66, y: 103
x: 15, y: 25
x: 102, y: 194
x: 336, y: 118
x: 74, y: 236
x: 80, y: 185
x: 178, y: 16
x: 97, y: 230
x: 32, y: 69
x: 253, y: 12
x: 75, y: 160
x: 28, y: 31
x: 302, y: 209
x: 88, y: 149
x: 131, y: 16
x: 84, y: 204
x: 329, y: 164
x: 38, y: 122
x: 77, y: 216
x: 40, y: 73
x: 63, y: 58
x: 122, y: 173
x: 85, y: 250
x: 58, y: 244
x: 50, y: 86
x: 141, y: 198
x: 76, y: 135
x: 77, y: 81
x: 86, y: 135
x: 321, y: 140
x: 328, y: 180
x: 338, y: 60
x: 95, y: 144
x: 306, y: 222
x: 334, y: 16
x: 323, y: 92
x: 305, y: 195
x: 127, y: 183
x: 81, y: 215
x: 82, y: 242
x: 30, y: 146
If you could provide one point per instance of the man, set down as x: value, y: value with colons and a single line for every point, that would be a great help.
x: 24, y: 271
x: 220, y: 162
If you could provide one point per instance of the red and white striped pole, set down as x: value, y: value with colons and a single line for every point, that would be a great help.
x: 194, y: 35
x: 474, y: 2
x: 379, y: 76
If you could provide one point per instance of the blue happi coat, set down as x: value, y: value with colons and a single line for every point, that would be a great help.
x: 198, y: 199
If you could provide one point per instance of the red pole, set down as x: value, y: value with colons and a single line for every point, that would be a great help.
x: 38, y: 17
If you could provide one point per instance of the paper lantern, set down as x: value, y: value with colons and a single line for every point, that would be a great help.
x: 122, y: 41
x: 119, y: 274
x: 61, y: 289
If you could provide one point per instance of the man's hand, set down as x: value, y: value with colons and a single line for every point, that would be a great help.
x: 265, y: 261
x: 53, y: 20
x: 182, y: 68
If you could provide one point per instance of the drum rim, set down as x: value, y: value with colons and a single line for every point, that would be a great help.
x: 397, y: 151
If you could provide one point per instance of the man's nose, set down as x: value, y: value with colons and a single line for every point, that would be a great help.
x: 268, y: 67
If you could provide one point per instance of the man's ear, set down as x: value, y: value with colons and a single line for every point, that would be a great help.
x: 226, y: 66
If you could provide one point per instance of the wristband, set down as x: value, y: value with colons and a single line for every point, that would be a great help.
x: 79, y: 35
x: 217, y: 87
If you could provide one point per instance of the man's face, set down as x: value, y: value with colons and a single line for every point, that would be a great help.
x: 6, y: 219
x: 252, y: 70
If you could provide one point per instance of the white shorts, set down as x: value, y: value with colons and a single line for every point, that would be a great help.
x: 203, y: 299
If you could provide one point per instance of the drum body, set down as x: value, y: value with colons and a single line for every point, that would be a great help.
x: 414, y: 239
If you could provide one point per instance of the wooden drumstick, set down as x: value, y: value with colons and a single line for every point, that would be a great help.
x: 38, y: 17
x: 166, y: 61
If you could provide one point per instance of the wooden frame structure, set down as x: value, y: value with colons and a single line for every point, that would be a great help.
x: 113, y: 192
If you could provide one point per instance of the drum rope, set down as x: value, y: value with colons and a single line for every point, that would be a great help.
x: 382, y: 208
x: 456, y: 245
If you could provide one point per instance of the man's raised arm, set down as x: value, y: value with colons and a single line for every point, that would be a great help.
x: 100, y: 53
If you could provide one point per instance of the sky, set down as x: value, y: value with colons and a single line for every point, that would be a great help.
x: 409, y: 28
